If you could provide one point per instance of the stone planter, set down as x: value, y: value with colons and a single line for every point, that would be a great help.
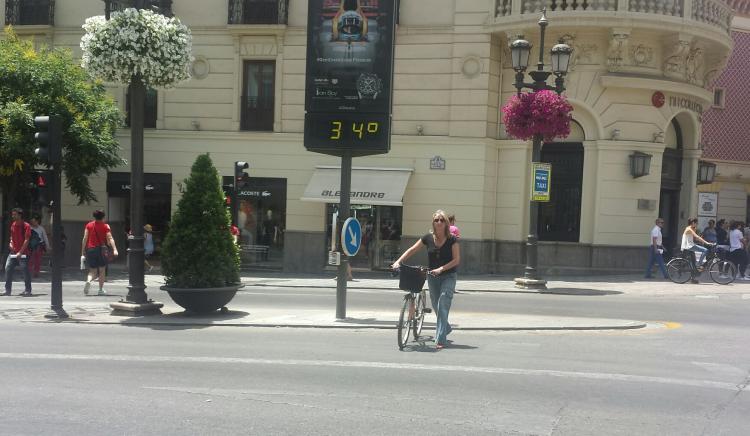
x: 202, y: 300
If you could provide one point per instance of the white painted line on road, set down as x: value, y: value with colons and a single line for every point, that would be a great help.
x: 382, y: 365
x: 746, y: 296
x: 707, y: 296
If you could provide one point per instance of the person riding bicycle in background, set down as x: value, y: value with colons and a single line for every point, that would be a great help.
x: 444, y: 256
x: 688, y: 241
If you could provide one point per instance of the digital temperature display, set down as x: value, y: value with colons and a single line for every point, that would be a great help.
x: 364, y: 134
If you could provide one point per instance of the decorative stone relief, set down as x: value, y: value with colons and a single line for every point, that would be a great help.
x: 713, y: 69
x: 694, y: 68
x: 257, y: 49
x: 471, y: 66
x: 676, y: 58
x: 200, y: 67
x: 641, y: 56
x: 618, y: 49
x: 583, y: 53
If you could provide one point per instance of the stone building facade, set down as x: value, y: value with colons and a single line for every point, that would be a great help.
x: 640, y: 81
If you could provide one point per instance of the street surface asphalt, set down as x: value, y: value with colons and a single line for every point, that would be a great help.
x: 594, y: 356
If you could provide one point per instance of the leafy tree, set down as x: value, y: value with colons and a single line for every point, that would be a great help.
x: 199, y: 251
x: 46, y: 82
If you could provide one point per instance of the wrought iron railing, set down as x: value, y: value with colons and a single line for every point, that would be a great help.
x: 258, y: 11
x: 163, y: 7
x: 29, y: 12
x: 257, y: 113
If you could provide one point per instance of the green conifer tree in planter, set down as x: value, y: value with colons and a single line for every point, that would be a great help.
x: 200, y: 261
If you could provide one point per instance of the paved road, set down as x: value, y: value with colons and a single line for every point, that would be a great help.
x: 685, y: 377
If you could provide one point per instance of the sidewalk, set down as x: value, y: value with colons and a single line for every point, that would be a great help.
x: 97, y: 312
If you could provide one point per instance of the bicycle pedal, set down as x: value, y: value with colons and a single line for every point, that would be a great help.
x: 427, y: 310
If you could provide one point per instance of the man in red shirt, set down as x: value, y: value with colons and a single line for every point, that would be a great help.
x: 20, y: 233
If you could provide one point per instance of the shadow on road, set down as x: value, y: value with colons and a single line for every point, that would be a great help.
x: 579, y: 292
x: 176, y: 321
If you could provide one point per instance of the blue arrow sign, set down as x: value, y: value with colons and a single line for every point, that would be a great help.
x: 351, y: 236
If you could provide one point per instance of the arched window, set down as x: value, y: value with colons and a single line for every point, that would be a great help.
x: 560, y: 218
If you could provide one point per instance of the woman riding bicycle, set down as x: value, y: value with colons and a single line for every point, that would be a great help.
x: 688, y: 241
x: 444, y: 256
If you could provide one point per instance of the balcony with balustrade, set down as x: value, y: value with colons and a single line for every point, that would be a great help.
x: 708, y: 15
x: 677, y: 40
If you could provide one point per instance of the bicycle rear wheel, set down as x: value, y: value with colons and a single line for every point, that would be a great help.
x: 404, y: 323
x: 722, y: 272
x: 419, y: 314
x: 679, y: 270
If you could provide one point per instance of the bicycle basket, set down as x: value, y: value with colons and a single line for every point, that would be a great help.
x: 411, y: 278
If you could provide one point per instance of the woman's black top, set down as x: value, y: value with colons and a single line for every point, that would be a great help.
x: 439, y: 256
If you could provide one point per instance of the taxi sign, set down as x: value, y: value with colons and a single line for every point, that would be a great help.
x: 541, y: 175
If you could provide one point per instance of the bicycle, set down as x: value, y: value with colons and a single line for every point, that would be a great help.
x: 682, y: 268
x: 411, y: 319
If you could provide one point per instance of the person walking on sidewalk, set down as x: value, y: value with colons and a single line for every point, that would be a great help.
x: 20, y: 233
x: 38, y: 244
x: 455, y: 231
x: 444, y: 256
x: 737, y: 253
x: 96, y: 235
x: 148, y: 246
x: 656, y: 251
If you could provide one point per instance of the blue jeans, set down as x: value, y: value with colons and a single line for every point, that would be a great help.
x: 702, y: 250
x: 10, y: 268
x: 654, y: 257
x: 441, y: 297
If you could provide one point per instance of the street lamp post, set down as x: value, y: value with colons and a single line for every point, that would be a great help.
x: 136, y: 301
x: 560, y: 56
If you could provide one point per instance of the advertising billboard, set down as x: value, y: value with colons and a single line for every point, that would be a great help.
x: 348, y: 85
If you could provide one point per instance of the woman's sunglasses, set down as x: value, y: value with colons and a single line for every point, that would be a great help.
x: 438, y: 220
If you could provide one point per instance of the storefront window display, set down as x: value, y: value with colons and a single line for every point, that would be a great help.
x: 261, y: 219
x: 381, y: 234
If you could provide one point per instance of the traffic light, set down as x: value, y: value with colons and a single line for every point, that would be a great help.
x: 49, y: 137
x: 41, y: 181
x: 240, y: 176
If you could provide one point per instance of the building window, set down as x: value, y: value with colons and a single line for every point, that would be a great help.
x: 719, y: 98
x: 259, y: 85
x: 258, y: 11
x: 29, y: 12
x: 149, y: 114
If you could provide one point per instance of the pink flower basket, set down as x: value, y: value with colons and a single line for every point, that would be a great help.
x: 543, y: 112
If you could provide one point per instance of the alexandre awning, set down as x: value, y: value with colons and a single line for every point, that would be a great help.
x: 374, y: 186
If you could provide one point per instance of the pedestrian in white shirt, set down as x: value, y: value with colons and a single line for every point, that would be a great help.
x: 737, y: 253
x: 656, y: 250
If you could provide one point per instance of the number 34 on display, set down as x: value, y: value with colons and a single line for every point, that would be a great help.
x: 359, y: 129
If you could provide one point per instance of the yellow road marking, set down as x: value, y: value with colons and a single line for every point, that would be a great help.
x: 672, y: 325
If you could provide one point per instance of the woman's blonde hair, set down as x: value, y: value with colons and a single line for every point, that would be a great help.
x: 441, y: 213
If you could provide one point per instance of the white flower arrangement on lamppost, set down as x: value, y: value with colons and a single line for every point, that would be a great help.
x: 137, y: 43
x: 137, y: 47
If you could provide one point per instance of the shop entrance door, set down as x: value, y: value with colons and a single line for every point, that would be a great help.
x: 381, y: 234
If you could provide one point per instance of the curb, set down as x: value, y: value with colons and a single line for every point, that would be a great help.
x: 137, y: 322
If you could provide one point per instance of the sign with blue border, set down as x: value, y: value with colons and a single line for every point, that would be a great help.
x: 351, y: 237
x: 541, y: 177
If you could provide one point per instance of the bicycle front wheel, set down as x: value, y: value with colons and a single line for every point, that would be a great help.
x: 419, y: 314
x: 679, y: 270
x: 404, y: 323
x: 722, y: 272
